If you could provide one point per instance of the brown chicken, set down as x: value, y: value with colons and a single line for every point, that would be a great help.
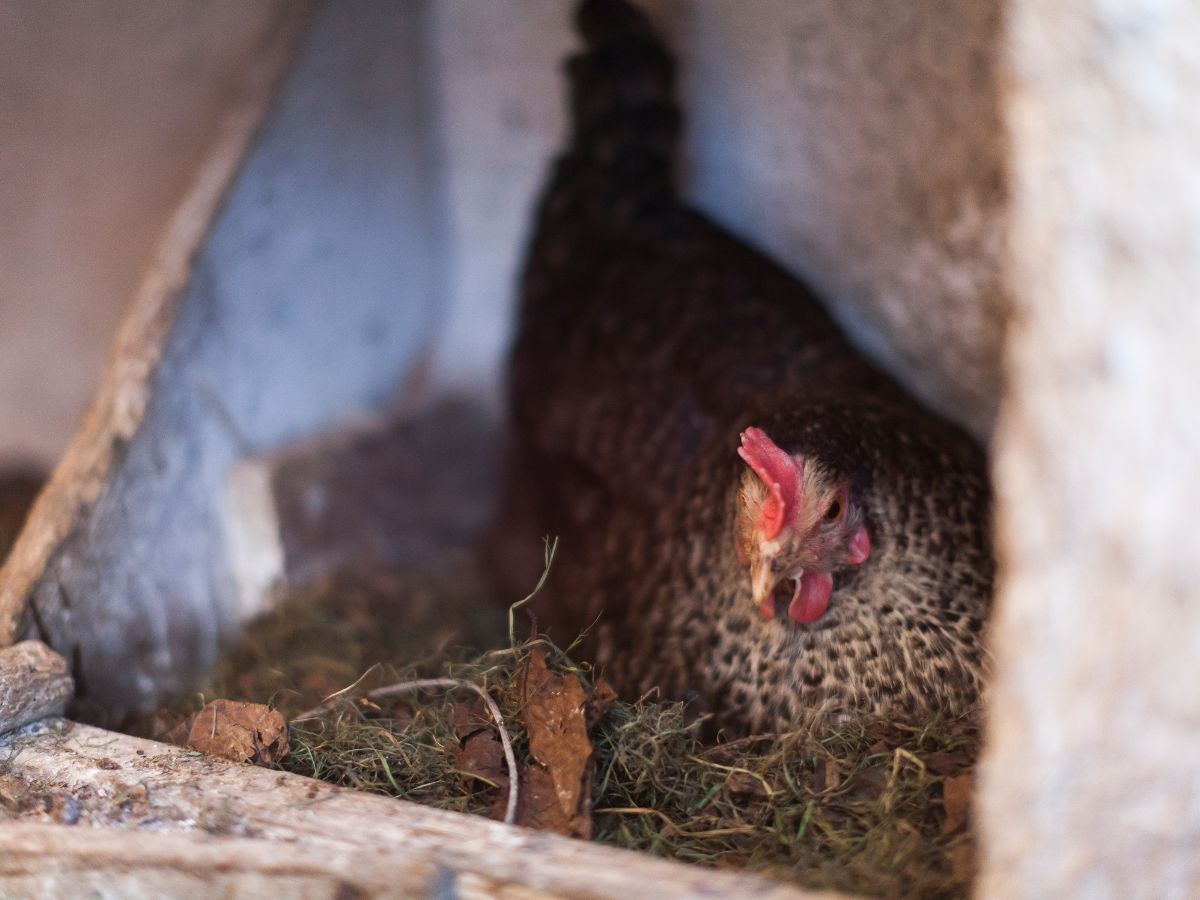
x: 751, y: 514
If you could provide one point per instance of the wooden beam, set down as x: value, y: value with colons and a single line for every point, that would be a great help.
x: 205, y: 822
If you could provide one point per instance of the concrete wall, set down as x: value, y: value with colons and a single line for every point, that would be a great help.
x: 307, y: 305
x: 860, y: 143
x: 1090, y: 787
x: 105, y: 110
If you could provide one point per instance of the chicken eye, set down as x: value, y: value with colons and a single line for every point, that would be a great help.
x: 835, y: 510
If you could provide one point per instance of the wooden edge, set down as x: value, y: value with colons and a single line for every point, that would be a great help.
x: 59, y: 861
x: 245, y: 819
x: 120, y: 402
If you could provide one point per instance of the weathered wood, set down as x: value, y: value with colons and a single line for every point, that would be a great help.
x: 53, y: 861
x: 262, y: 830
x: 34, y: 684
x: 121, y: 401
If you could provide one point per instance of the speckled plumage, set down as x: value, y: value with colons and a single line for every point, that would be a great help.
x: 648, y: 340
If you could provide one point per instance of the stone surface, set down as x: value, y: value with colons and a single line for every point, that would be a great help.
x: 34, y: 684
x: 106, y: 110
x: 860, y: 144
x: 287, y: 322
x: 1090, y: 786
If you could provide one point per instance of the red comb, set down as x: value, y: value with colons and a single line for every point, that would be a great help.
x: 778, y: 470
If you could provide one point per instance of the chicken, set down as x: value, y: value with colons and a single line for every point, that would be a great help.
x: 751, y: 515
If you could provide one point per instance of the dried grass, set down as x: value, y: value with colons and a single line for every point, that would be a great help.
x: 858, y: 807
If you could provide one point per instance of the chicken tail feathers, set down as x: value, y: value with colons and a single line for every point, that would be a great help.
x: 625, y: 122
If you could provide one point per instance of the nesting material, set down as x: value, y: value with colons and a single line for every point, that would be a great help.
x: 871, y: 807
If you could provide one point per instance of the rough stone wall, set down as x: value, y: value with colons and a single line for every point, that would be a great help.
x: 307, y: 304
x: 105, y: 110
x: 860, y: 144
x: 496, y: 83
x: 1090, y: 785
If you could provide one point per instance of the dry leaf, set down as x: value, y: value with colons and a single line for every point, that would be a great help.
x: 242, y: 732
x: 956, y: 800
x: 601, y: 701
x: 479, y: 752
x: 744, y: 784
x: 947, y: 763
x: 827, y: 775
x: 538, y: 805
x: 962, y: 862
x: 469, y: 717
x: 482, y: 755
x: 554, y: 714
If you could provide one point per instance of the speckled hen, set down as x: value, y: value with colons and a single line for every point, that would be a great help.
x: 751, y: 514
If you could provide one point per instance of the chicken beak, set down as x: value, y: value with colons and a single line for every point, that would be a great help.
x: 762, y: 586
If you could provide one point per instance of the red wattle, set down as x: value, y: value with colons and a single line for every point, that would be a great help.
x: 860, y: 547
x: 811, y: 598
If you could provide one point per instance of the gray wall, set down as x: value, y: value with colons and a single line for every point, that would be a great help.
x: 105, y: 110
x: 306, y: 306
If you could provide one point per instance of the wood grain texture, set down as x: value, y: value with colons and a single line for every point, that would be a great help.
x: 263, y: 830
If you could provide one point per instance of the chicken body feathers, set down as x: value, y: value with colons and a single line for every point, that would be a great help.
x: 648, y: 339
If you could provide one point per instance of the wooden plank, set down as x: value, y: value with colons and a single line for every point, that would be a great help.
x: 56, y: 861
x: 268, y: 830
x: 121, y: 401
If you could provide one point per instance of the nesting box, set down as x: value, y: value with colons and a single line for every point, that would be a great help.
x: 997, y: 200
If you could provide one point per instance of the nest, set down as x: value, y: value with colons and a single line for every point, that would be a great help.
x: 871, y: 806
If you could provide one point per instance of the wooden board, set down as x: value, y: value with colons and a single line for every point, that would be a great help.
x: 253, y: 831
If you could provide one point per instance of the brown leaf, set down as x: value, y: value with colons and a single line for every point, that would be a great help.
x: 469, y: 717
x: 482, y: 755
x: 743, y: 784
x: 538, y: 805
x: 827, y: 775
x: 946, y: 763
x: 553, y: 711
x: 962, y: 862
x: 601, y: 701
x: 242, y: 732
x: 479, y: 752
x: 956, y: 800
